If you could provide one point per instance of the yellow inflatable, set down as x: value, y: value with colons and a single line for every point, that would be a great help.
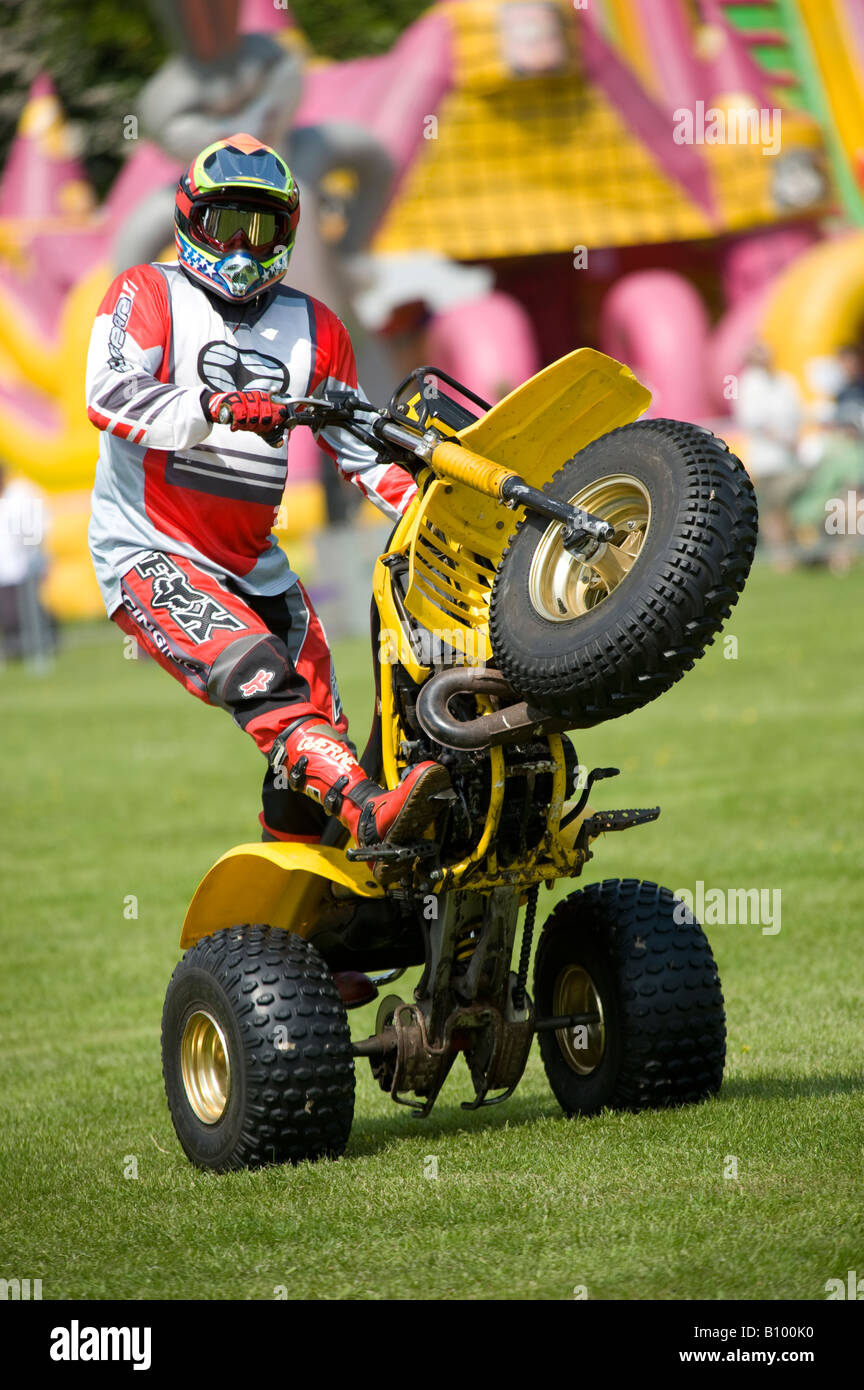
x: 817, y: 307
x: 49, y: 439
x: 59, y: 450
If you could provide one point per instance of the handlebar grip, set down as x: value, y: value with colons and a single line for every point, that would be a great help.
x: 225, y: 416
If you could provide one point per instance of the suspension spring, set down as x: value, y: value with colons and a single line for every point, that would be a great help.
x: 466, y: 943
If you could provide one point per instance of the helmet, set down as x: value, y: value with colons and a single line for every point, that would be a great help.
x: 236, y: 214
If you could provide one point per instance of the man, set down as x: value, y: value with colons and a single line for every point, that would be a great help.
x: 850, y: 397
x: 183, y: 506
x: 768, y: 409
x: 26, y: 628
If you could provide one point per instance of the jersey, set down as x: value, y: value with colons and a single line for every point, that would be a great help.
x: 170, y: 480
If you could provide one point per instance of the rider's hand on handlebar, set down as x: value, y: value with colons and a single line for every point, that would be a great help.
x: 247, y: 410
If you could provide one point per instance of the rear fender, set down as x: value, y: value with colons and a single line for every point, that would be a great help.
x: 282, y: 884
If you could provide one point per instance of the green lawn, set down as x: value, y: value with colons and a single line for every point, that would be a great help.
x: 117, y: 783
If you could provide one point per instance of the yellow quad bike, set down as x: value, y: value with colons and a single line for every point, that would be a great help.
x: 563, y: 564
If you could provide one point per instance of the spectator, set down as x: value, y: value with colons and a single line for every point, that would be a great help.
x: 839, y: 473
x: 768, y: 410
x: 25, y: 627
x: 850, y: 397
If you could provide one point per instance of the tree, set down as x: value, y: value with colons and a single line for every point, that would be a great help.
x: 100, y: 52
x: 349, y: 28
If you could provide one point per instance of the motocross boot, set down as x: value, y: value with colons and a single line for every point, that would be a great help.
x: 319, y: 762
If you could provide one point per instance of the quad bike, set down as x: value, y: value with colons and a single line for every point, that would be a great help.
x: 563, y: 564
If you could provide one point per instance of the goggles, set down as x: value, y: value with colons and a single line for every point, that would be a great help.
x: 227, y: 225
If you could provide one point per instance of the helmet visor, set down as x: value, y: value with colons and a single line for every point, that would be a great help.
x: 229, y: 225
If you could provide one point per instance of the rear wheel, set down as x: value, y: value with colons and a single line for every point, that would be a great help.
x: 655, y: 1031
x: 590, y: 640
x: 256, y: 1052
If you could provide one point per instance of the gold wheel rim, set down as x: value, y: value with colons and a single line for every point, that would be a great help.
x: 206, y: 1067
x: 582, y: 1046
x: 561, y: 587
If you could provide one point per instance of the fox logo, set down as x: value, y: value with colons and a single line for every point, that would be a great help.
x: 196, y: 613
x: 258, y: 684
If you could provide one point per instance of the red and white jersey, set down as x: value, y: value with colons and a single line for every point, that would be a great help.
x: 168, y: 479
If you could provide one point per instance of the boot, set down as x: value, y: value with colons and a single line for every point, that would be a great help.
x: 319, y: 763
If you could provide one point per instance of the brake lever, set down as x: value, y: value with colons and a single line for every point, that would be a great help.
x: 289, y: 422
x: 293, y: 417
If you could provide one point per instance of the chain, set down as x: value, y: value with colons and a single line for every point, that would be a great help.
x: 519, y: 989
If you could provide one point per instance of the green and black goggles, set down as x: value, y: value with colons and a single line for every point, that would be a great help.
x: 229, y: 225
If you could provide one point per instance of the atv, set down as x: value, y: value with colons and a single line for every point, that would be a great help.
x: 564, y: 563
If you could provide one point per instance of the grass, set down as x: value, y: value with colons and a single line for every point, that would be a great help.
x: 121, y: 790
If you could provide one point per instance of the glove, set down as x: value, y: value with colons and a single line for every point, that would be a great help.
x: 247, y: 410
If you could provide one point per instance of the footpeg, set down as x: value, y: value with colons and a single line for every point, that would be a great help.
x: 602, y: 821
x: 393, y: 854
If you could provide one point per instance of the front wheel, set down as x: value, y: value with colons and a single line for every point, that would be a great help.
x: 655, y: 1030
x: 256, y: 1052
x: 592, y: 639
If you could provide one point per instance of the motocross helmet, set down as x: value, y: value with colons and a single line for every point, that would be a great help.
x: 235, y: 215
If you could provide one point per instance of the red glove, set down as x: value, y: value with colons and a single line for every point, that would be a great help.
x: 247, y: 410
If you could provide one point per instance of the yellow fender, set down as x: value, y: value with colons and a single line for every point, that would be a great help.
x: 545, y: 421
x: 280, y: 883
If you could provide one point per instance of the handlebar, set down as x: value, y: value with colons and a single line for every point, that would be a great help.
x: 312, y: 416
x: 315, y: 406
x: 582, y: 532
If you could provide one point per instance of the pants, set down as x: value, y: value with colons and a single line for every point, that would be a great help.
x: 265, y: 660
x: 27, y: 629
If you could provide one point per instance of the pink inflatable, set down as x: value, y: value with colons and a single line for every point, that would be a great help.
x: 656, y: 322
x: 488, y: 343
x: 751, y: 267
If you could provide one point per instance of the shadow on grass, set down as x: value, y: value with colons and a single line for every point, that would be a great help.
x: 789, y: 1087
x: 371, y: 1134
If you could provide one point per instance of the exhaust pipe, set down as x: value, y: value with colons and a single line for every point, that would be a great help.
x: 507, y: 725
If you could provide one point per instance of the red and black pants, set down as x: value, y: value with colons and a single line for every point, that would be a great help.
x: 264, y: 659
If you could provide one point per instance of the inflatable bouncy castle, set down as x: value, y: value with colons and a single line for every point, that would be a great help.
x: 512, y: 179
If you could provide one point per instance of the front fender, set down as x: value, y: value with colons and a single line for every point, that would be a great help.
x: 556, y: 413
x: 279, y: 883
